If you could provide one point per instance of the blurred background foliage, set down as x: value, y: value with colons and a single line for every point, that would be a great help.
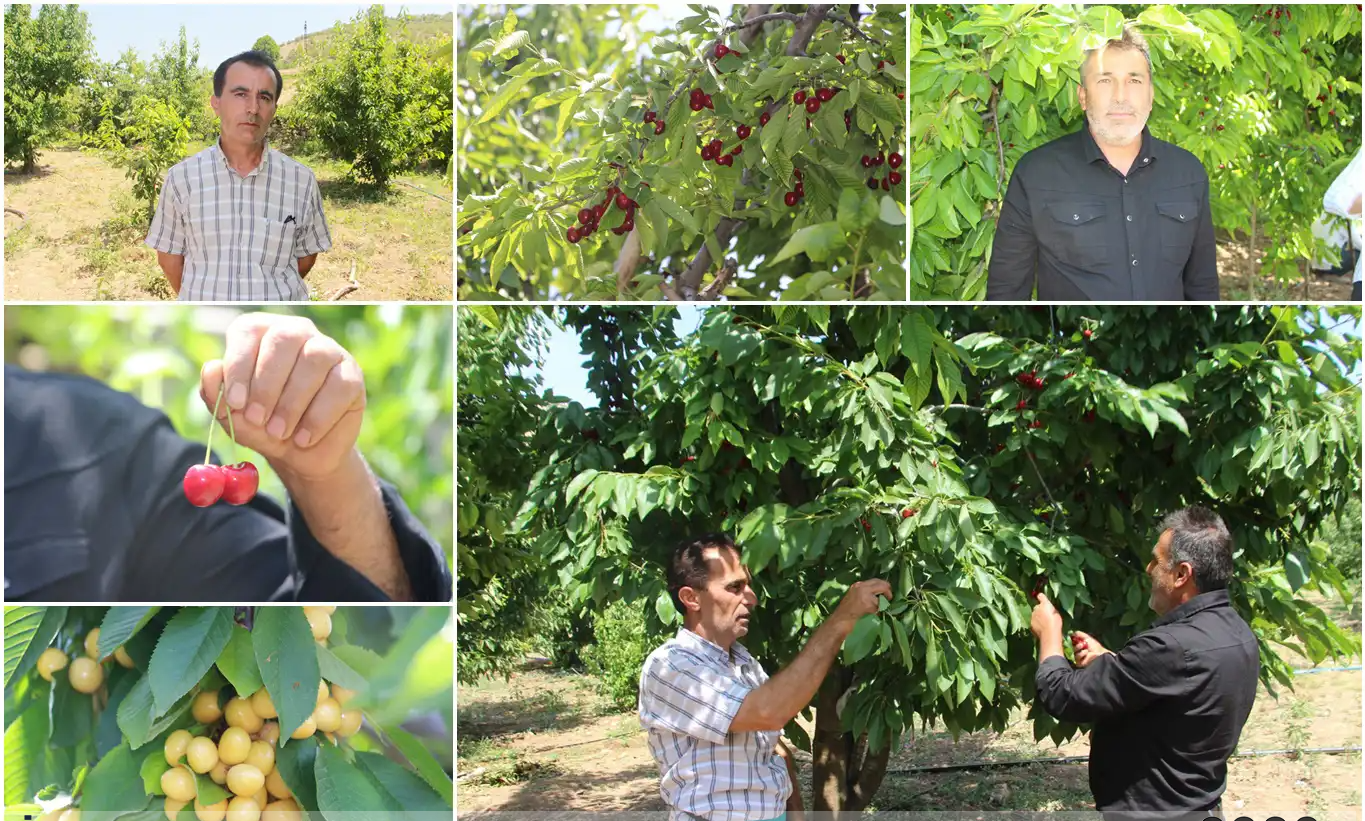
x: 154, y: 352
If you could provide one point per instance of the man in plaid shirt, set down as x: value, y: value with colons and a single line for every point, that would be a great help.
x: 714, y: 717
x: 239, y: 221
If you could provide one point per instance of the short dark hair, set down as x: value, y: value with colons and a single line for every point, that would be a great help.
x: 258, y: 59
x: 688, y: 565
x: 1199, y: 537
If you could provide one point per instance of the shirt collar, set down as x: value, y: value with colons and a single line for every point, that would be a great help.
x: 1204, y: 601
x: 1146, y: 154
x: 737, y: 652
x: 221, y: 157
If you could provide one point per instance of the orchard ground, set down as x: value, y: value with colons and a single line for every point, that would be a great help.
x: 78, y: 244
x: 546, y: 740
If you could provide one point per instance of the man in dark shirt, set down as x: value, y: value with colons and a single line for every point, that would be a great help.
x: 1109, y: 213
x: 95, y: 510
x: 1169, y: 707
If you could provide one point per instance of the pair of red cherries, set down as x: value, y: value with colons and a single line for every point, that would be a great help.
x: 208, y: 483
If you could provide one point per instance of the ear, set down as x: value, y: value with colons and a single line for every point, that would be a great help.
x: 1184, y: 574
x: 1080, y: 94
x: 213, y: 101
x: 688, y: 596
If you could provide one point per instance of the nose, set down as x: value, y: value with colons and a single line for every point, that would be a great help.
x: 252, y: 104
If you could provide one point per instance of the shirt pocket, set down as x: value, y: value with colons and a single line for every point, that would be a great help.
x: 276, y: 252
x: 1075, y: 233
x: 47, y: 566
x: 1177, y: 223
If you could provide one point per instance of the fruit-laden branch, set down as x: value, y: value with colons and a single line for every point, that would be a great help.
x: 690, y: 280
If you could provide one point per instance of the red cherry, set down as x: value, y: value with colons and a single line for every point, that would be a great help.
x: 240, y: 482
x: 1023, y: 403
x: 872, y: 183
x: 706, y: 154
x: 824, y: 95
x: 791, y: 199
x: 659, y: 127
x: 799, y: 97
x: 812, y: 105
x: 866, y: 526
x: 721, y: 50
x: 1090, y: 416
x: 881, y: 158
x: 743, y: 132
x: 696, y: 94
x: 1332, y: 113
x: 800, y: 189
x: 886, y: 184
x: 736, y: 151
x: 696, y: 105
x: 716, y: 145
x: 840, y: 58
x: 764, y: 118
x: 204, y: 484
x: 574, y: 236
x: 907, y: 513
x: 895, y: 160
x: 796, y: 172
x: 628, y: 225
x: 598, y: 211
x: 867, y: 161
x: 706, y: 101
x: 622, y: 201
x: 726, y: 161
x: 687, y: 459
x: 1000, y: 447
x: 881, y: 64
x: 584, y: 216
x: 894, y: 177
x: 651, y: 116
x: 1087, y: 333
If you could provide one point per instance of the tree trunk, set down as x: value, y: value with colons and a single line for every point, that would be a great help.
x: 845, y: 776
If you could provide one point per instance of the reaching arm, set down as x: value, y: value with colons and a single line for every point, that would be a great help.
x: 173, y: 266
x: 780, y: 698
x: 795, y: 806
x: 306, y: 264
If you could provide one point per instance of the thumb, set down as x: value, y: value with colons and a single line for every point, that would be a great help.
x: 1043, y: 599
x: 210, y: 381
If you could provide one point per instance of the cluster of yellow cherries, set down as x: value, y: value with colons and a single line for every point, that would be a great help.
x: 243, y: 759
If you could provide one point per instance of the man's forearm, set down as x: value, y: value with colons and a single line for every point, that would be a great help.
x: 795, y: 805
x: 173, y: 266
x: 346, y: 514
x: 1050, y: 645
x: 306, y: 264
x: 784, y: 695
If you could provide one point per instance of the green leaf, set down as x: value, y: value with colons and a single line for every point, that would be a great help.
x: 189, y: 646
x: 346, y: 793
x: 891, y: 212
x: 238, y: 662
x: 121, y: 624
x: 72, y: 714
x: 154, y: 765
x: 208, y: 792
x: 295, y: 761
x: 138, y: 718
x: 815, y: 241
x: 114, y: 786
x: 505, y: 96
x: 28, y: 632
x: 425, y: 763
x: 861, y: 639
x: 1296, y: 571
x: 339, y: 672
x: 677, y: 212
x: 25, y: 747
x: 286, y: 655
x: 400, y: 788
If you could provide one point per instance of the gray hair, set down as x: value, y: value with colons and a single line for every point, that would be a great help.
x: 1132, y: 40
x: 1199, y: 538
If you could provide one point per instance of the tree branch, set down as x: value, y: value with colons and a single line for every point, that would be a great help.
x: 849, y: 24
x: 690, y: 279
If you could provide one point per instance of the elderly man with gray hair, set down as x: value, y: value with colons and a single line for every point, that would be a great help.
x: 1169, y: 707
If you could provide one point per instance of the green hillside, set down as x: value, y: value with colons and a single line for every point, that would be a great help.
x: 421, y: 28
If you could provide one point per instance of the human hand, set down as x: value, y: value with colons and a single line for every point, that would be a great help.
x: 1045, y: 621
x: 295, y: 395
x: 1087, y: 648
x: 860, y: 600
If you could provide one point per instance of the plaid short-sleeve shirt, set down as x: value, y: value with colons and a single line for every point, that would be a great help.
x: 241, y: 235
x: 690, y: 691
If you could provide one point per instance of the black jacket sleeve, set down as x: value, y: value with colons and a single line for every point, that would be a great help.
x: 1014, y: 253
x: 1148, y: 668
x: 1201, y: 269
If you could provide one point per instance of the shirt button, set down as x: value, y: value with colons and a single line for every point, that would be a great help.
x: 1145, y: 160
x: 1135, y: 262
x: 1182, y: 216
x: 1130, y: 217
x: 1075, y: 216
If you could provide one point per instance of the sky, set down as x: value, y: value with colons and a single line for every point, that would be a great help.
x: 222, y: 30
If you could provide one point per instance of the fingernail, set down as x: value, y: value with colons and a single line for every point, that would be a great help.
x: 236, y: 397
x: 256, y: 414
x: 302, y: 438
x: 276, y: 427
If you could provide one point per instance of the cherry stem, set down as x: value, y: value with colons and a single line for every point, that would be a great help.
x: 208, y: 449
x: 233, y: 434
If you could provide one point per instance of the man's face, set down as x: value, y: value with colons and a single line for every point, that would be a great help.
x: 248, y: 103
x: 1116, y: 95
x: 1165, y: 579
x: 727, y: 599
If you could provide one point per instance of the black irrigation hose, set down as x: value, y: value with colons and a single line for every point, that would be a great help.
x: 1078, y: 759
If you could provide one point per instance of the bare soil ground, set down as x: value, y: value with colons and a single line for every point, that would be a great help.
x: 78, y: 242
x: 1235, y: 285
x: 545, y: 740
